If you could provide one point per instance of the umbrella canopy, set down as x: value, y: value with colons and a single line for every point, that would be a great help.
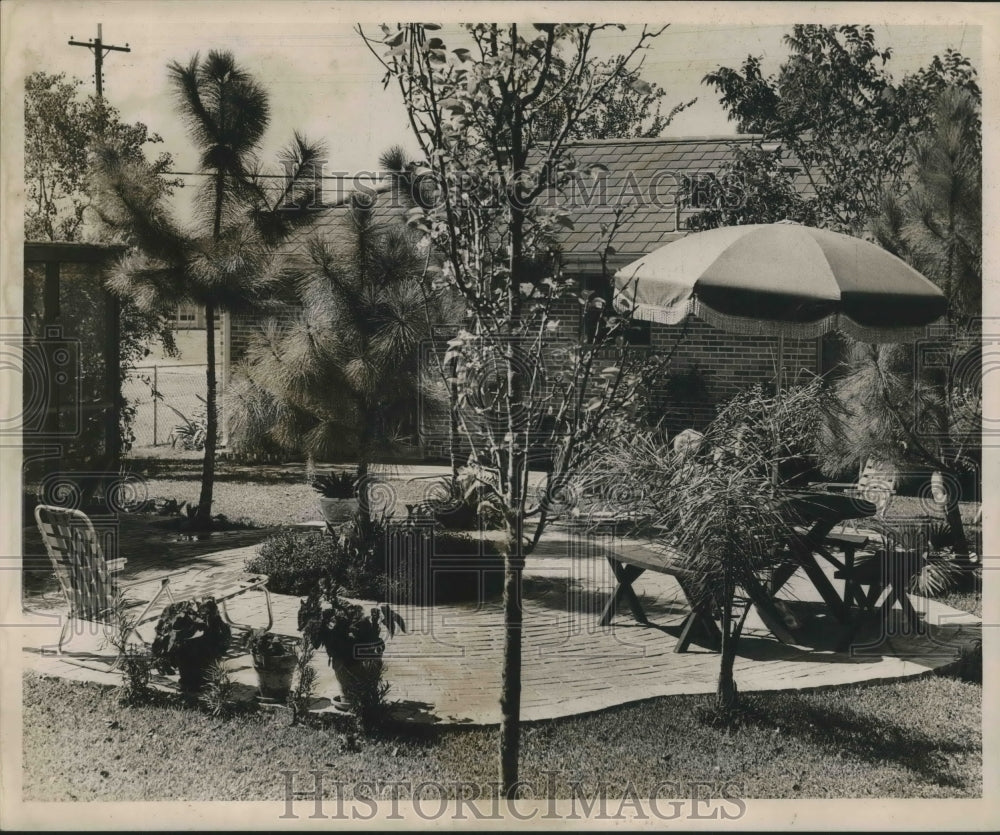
x: 781, y: 279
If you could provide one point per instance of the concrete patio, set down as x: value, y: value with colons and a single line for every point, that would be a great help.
x: 446, y: 668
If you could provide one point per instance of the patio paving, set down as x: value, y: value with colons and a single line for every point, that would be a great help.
x: 446, y: 668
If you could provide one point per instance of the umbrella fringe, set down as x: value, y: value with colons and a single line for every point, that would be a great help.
x: 744, y: 326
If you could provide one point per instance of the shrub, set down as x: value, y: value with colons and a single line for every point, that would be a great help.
x: 354, y: 643
x: 135, y: 665
x: 253, y: 413
x: 191, y: 433
x: 219, y: 694
x: 336, y: 485
x: 300, y: 697
x: 191, y: 636
x: 134, y: 660
x: 293, y: 561
x: 968, y: 665
x: 462, y: 503
x: 353, y: 558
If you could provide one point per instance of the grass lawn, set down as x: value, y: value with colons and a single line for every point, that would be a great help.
x: 916, y: 738
x: 259, y: 495
x: 267, y: 495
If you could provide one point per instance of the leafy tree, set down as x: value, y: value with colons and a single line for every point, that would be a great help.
x: 229, y: 262
x: 344, y: 377
x: 753, y: 187
x: 482, y: 115
x: 838, y: 116
x: 61, y: 130
x: 901, y: 161
x: 629, y: 107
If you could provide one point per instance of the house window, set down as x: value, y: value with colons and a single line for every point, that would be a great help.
x: 186, y: 316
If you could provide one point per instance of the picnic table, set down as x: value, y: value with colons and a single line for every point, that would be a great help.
x: 815, y: 513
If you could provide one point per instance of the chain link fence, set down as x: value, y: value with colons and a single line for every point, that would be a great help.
x: 170, y: 403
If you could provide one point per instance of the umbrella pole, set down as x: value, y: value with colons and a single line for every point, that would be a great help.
x: 777, y: 391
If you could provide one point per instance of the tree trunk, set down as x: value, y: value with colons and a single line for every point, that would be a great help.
x: 453, y: 426
x: 953, y: 517
x: 726, y: 693
x: 510, y: 685
x: 365, y: 444
x: 204, y: 515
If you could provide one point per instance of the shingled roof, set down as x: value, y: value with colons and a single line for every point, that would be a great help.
x: 649, y: 175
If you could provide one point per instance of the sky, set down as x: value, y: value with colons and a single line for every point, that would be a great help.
x: 323, y: 81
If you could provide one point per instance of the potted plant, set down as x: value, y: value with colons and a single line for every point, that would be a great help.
x: 191, y: 636
x: 274, y: 659
x: 338, y: 496
x: 354, y: 645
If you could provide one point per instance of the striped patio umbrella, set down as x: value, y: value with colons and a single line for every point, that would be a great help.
x: 781, y: 279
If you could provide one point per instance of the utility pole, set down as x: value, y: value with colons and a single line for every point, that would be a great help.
x: 112, y: 448
x: 99, y: 48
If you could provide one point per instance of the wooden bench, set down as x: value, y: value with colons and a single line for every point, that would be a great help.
x: 633, y: 558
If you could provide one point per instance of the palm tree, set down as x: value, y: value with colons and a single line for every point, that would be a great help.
x: 229, y: 261
x: 343, y: 378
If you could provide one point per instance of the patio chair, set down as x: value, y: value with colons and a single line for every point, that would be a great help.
x: 877, y: 483
x: 88, y: 581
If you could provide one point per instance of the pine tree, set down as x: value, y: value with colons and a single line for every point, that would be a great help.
x: 227, y: 262
x: 343, y: 377
x: 919, y: 413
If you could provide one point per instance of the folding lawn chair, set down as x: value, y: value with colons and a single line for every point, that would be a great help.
x: 877, y: 483
x: 88, y: 581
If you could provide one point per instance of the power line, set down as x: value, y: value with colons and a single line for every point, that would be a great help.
x: 271, y: 176
x: 99, y: 48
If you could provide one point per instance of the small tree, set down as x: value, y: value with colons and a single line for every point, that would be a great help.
x: 228, y: 263
x: 718, y: 506
x: 482, y: 115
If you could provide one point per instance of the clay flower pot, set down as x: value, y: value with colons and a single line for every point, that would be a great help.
x: 274, y: 675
